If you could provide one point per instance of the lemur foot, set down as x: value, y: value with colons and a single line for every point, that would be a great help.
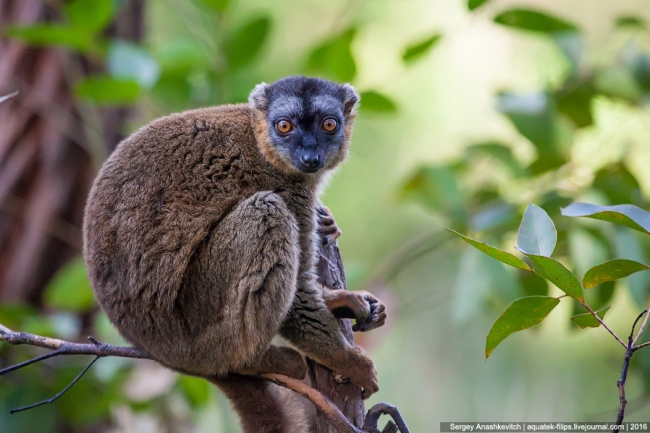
x: 361, y: 371
x: 369, y: 312
x: 327, y: 228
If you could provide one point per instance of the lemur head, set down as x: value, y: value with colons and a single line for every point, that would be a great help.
x: 304, y: 124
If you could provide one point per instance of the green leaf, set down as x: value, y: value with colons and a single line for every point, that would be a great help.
x: 535, y: 21
x: 90, y: 15
x: 127, y: 60
x: 619, y: 82
x: 537, y: 234
x: 475, y: 4
x: 69, y: 289
x: 5, y: 97
x: 630, y: 21
x: 557, y: 274
x: 245, y: 43
x: 522, y: 314
x: 535, y: 117
x: 196, y: 390
x: 45, y: 35
x: 500, y: 255
x: 435, y: 187
x: 611, y: 271
x: 419, y: 49
x: 108, y: 91
x: 334, y: 58
x: 375, y: 101
x: 216, y: 5
x: 179, y: 56
x: 574, y: 100
x: 618, y: 184
x: 623, y: 214
x: 587, y: 320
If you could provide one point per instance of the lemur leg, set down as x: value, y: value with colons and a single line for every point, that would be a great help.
x: 369, y: 311
x: 278, y: 359
x: 244, y: 308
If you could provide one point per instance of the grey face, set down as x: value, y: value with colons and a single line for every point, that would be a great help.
x: 306, y: 118
x: 306, y: 131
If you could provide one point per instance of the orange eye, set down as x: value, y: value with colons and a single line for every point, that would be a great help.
x: 284, y: 126
x: 329, y: 124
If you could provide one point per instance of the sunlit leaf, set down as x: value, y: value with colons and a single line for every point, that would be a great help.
x: 537, y: 234
x: 610, y: 271
x: 127, y: 60
x: 419, y: 49
x: 623, y: 214
x: 556, y: 273
x: 43, y: 35
x: 587, y: 320
x: 69, y: 289
x: 500, y: 255
x: 535, y: 21
x: 522, y: 314
x: 108, y: 91
x: 475, y: 4
x: 375, y: 101
x: 91, y: 15
x: 334, y: 58
x: 243, y: 46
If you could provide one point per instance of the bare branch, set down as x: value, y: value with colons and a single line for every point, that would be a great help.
x: 63, y: 391
x: 642, y: 328
x: 100, y: 350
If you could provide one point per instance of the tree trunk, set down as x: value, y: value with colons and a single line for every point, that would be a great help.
x: 347, y: 397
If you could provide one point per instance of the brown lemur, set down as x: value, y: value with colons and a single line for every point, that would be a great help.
x: 200, y: 240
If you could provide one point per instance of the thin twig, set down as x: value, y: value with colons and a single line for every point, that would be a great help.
x: 629, y: 351
x: 59, y: 394
x: 384, y: 409
x: 593, y: 313
x: 642, y: 328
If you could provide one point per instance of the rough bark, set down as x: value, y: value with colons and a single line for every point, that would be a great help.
x: 346, y: 396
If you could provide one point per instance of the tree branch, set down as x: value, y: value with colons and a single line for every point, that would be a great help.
x: 101, y: 350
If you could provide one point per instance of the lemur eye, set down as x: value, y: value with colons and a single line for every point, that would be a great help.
x: 283, y: 126
x: 329, y: 124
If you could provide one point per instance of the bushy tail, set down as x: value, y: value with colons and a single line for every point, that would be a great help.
x: 262, y: 406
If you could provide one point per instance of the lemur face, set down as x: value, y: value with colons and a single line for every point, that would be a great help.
x: 306, y: 119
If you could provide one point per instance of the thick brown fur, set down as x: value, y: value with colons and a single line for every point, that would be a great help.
x: 200, y: 244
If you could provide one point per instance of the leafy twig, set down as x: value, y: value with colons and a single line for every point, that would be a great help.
x: 597, y: 317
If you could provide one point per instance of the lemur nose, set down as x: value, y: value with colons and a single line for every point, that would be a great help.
x: 310, y: 160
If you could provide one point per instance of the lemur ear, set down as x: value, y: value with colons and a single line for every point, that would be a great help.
x: 257, y: 98
x: 350, y: 101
